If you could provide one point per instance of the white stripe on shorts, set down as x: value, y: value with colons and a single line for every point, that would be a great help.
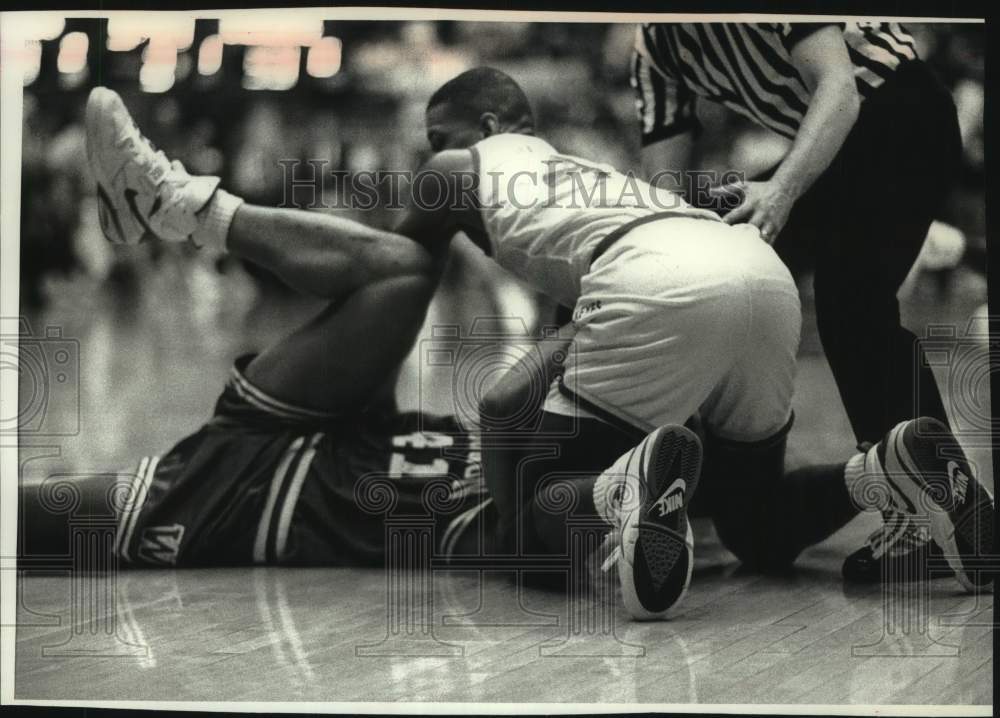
x: 260, y: 543
x: 126, y: 512
x: 264, y: 401
x: 292, y: 497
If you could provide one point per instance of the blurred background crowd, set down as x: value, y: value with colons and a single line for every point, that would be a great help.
x: 153, y: 328
x: 233, y: 97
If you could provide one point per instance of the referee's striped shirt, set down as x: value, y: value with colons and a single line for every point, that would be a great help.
x: 748, y: 68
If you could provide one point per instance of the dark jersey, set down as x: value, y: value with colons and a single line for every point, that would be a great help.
x: 266, y: 482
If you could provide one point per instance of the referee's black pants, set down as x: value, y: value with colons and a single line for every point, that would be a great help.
x: 861, y: 226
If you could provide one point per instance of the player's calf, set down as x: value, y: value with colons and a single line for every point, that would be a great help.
x: 744, y: 485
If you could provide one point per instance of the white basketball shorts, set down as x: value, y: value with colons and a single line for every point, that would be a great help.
x: 682, y: 316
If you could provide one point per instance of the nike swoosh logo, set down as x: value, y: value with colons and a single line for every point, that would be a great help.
x: 130, y: 195
x: 109, y: 210
x: 678, y: 484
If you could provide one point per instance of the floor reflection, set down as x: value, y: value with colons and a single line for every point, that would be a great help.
x: 293, y: 634
x: 150, y: 366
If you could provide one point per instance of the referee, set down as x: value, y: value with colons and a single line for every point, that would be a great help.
x: 875, y: 149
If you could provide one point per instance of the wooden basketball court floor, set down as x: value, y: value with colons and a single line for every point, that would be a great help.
x: 273, y: 634
x: 279, y: 634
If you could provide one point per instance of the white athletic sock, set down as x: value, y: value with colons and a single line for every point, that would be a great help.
x: 865, y: 479
x: 214, y: 220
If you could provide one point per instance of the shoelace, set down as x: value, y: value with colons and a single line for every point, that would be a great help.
x: 898, y: 535
x: 156, y: 161
x: 177, y: 176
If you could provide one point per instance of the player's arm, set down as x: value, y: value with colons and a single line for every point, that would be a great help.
x: 442, y: 201
x: 516, y: 393
x: 520, y: 394
x: 822, y: 60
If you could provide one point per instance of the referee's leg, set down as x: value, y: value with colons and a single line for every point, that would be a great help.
x: 876, y: 361
x: 890, y: 189
x: 863, y: 223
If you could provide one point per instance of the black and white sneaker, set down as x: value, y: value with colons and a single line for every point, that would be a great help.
x: 931, y: 483
x: 653, y: 485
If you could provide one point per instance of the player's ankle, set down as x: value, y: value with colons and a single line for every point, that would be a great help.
x: 865, y: 480
x: 214, y: 220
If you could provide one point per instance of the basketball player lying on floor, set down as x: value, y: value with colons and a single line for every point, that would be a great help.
x: 676, y: 313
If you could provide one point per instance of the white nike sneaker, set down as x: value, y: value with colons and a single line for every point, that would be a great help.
x: 141, y: 194
x: 654, y: 483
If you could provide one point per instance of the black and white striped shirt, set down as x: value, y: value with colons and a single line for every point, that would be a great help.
x: 747, y: 67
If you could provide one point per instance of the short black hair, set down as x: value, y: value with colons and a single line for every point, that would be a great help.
x: 484, y: 89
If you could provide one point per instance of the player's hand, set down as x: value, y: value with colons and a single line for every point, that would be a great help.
x: 766, y: 205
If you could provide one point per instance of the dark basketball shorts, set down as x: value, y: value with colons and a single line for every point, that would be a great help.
x: 266, y: 482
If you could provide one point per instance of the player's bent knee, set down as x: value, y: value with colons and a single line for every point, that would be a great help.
x: 410, y: 259
x: 410, y: 293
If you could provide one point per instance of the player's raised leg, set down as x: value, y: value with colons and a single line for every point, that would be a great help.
x: 379, y: 283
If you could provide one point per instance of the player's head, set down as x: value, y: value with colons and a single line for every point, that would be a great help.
x: 476, y: 104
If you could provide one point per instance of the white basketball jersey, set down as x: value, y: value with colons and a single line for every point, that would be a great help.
x: 545, y: 212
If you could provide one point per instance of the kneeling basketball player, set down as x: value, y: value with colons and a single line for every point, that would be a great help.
x: 674, y: 313
x: 663, y: 302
